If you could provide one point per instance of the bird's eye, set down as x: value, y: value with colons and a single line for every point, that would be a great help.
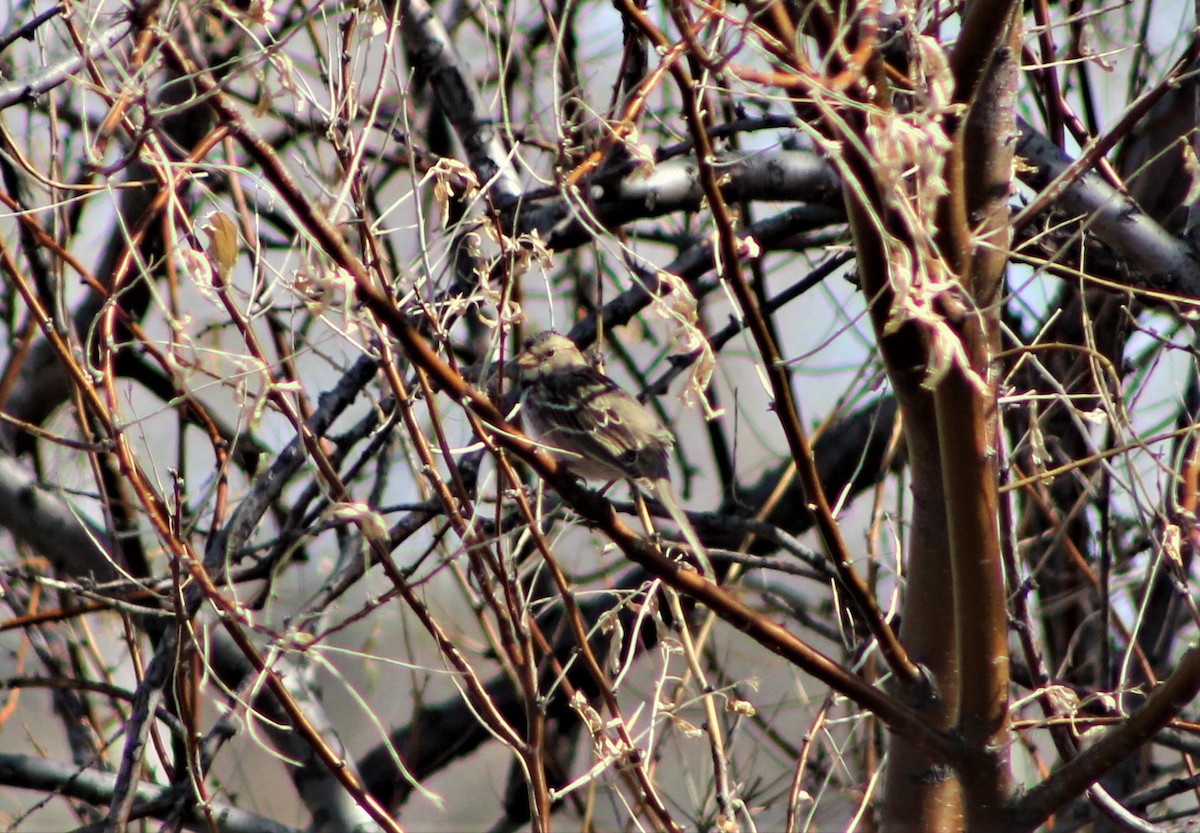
x: 550, y: 353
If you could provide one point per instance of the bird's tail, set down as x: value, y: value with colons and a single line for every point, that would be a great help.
x: 666, y: 496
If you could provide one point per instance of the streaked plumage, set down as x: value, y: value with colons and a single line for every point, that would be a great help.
x: 570, y: 406
x: 594, y: 427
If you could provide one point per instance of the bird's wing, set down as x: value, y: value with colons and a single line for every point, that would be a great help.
x: 591, y: 415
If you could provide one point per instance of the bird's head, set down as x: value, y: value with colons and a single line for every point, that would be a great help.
x: 547, y: 352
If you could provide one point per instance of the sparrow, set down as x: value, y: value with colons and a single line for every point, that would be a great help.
x: 594, y: 427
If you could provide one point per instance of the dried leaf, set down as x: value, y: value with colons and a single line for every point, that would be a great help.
x: 222, y: 243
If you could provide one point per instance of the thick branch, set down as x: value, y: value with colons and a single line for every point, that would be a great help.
x: 97, y: 787
x: 1069, y: 782
x: 1158, y: 260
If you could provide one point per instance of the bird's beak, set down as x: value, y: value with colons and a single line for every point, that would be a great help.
x: 526, y: 361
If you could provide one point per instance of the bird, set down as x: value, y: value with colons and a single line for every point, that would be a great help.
x: 594, y: 427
